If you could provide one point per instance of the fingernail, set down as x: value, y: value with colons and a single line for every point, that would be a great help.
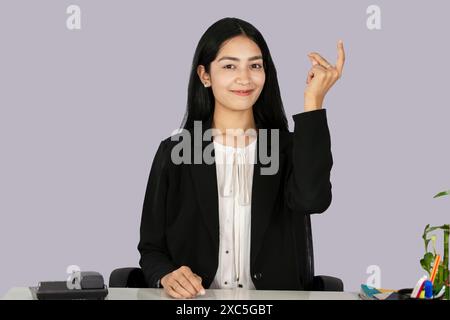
x: 202, y: 292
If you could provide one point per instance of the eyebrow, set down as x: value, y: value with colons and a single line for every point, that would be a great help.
x: 237, y: 59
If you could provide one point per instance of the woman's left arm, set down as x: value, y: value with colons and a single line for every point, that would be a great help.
x: 308, y: 184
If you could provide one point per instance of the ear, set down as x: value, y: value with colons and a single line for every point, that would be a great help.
x: 202, y: 74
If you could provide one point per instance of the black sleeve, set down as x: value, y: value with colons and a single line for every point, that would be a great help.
x: 308, y: 183
x: 155, y: 260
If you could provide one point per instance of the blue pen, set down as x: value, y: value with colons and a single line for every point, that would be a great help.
x: 428, y: 287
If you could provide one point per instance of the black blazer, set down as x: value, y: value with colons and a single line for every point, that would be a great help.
x: 180, y: 218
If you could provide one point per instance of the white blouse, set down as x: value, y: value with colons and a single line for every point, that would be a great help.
x: 234, y: 168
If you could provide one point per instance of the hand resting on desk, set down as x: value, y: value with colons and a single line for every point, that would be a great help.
x: 182, y: 283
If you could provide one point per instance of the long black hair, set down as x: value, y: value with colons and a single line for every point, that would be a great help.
x: 268, y: 110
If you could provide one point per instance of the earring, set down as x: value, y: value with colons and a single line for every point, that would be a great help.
x: 206, y: 85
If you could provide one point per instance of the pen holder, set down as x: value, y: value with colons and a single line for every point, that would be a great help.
x: 405, y: 294
x: 431, y: 262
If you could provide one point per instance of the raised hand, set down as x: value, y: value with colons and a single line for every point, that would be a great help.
x: 321, y: 77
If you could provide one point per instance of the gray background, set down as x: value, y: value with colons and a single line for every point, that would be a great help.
x: 82, y: 113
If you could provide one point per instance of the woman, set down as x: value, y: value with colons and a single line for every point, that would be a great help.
x: 226, y: 224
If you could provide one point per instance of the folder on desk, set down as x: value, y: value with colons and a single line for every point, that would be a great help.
x: 371, y: 293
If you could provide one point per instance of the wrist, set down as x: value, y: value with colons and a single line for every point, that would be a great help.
x: 312, y: 103
x: 311, y: 108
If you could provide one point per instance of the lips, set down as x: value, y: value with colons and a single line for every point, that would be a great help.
x: 242, y: 92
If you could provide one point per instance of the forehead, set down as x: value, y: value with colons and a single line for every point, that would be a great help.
x: 239, y: 46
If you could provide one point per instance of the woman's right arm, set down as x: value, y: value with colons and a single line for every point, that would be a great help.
x: 178, y: 282
x: 155, y: 261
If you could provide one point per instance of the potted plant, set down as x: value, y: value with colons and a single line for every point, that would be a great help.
x: 442, y: 275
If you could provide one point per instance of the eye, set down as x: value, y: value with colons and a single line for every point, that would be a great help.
x: 229, y: 66
x: 257, y: 66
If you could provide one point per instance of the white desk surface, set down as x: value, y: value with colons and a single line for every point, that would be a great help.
x: 24, y: 293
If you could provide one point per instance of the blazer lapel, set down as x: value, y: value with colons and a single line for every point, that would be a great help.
x: 264, y: 195
x: 205, y: 183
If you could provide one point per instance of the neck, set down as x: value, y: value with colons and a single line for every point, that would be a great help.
x: 233, y: 126
x: 224, y: 119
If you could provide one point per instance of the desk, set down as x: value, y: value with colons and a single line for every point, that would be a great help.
x: 23, y: 293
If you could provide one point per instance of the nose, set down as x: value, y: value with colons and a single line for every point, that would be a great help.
x: 243, y: 78
x: 243, y: 83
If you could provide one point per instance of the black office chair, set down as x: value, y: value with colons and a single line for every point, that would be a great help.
x: 134, y: 277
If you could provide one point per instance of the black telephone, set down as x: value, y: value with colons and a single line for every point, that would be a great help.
x: 88, y: 285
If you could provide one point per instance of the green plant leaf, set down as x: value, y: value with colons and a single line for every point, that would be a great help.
x: 427, y: 230
x: 443, y: 193
x: 424, y: 236
x: 427, y: 262
x: 443, y: 227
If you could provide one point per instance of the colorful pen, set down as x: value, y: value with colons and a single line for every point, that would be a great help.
x: 437, y: 260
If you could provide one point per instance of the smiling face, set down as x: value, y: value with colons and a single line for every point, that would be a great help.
x: 236, y: 75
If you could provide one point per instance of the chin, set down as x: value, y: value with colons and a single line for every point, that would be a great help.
x: 239, y: 108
